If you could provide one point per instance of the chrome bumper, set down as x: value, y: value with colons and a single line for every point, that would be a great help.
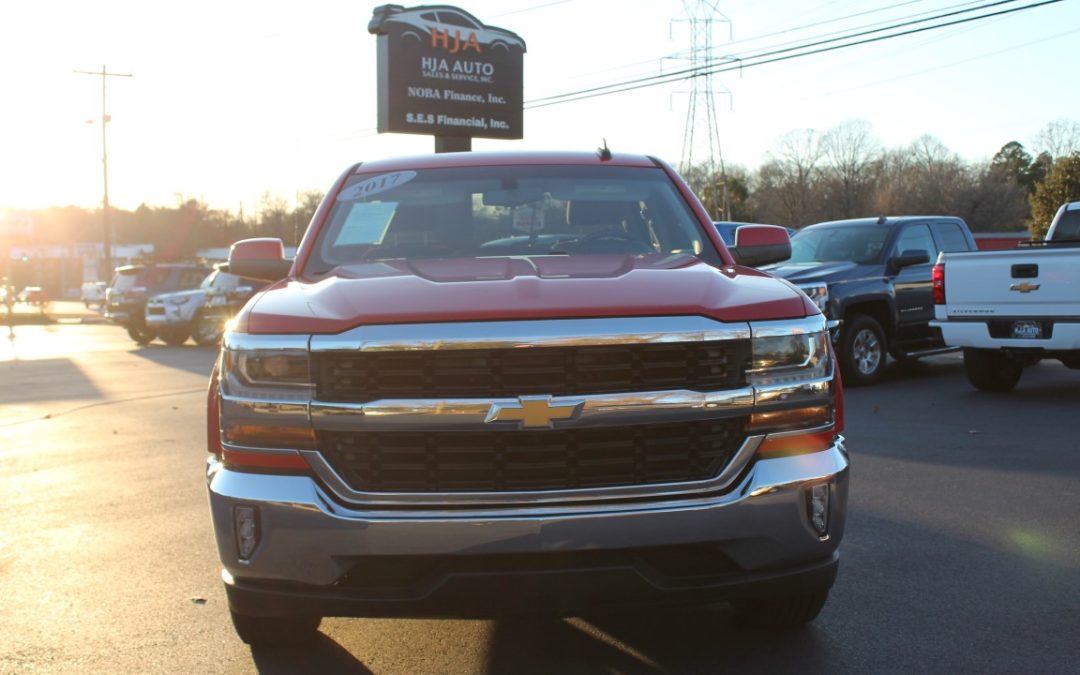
x: 306, y: 537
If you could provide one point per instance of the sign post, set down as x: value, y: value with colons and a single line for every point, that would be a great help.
x: 441, y: 72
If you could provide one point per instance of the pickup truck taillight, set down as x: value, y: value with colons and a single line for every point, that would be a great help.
x: 937, y: 276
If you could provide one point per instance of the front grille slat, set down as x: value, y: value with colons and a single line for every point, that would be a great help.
x: 359, y: 377
x: 522, y: 460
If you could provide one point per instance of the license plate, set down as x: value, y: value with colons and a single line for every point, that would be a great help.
x: 1027, y: 330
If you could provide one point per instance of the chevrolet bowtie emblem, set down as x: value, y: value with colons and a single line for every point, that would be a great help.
x: 1024, y: 287
x: 533, y: 411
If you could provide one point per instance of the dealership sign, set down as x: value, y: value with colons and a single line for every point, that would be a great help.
x: 443, y: 73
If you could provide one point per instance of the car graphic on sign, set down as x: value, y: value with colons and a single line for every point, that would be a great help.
x: 426, y: 21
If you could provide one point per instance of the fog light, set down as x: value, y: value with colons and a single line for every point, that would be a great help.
x: 817, y: 503
x: 247, y: 530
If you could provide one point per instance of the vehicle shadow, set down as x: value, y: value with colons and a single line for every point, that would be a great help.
x: 650, y: 641
x: 190, y: 358
x: 323, y: 656
x: 43, y: 380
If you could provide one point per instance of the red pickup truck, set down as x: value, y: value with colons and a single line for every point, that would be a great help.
x: 496, y: 382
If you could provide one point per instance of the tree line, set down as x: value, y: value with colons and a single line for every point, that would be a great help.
x: 808, y: 177
x: 845, y: 172
x: 178, y: 232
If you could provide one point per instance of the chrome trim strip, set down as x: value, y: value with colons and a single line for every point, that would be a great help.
x: 531, y: 333
x: 815, y: 323
x: 339, y: 488
x: 233, y: 447
x: 793, y: 393
x: 471, y: 414
x: 233, y: 341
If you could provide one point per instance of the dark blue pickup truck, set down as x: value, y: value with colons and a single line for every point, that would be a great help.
x: 873, y: 275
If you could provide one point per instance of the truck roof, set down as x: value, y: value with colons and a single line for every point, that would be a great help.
x: 464, y: 159
x: 884, y: 221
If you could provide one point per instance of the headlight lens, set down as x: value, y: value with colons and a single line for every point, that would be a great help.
x: 819, y: 293
x: 789, y: 358
x: 269, y: 368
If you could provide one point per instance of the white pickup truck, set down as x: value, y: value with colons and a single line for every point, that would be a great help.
x: 1009, y: 309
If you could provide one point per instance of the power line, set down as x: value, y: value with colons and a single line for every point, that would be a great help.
x: 778, y: 55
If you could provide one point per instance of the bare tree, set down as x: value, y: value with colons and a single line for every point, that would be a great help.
x: 854, y: 159
x: 788, y: 180
x: 1059, y: 138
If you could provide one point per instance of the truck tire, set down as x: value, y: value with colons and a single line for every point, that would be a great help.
x: 207, y: 329
x: 275, y: 630
x: 991, y: 370
x: 174, y: 337
x: 781, y: 613
x: 863, y: 350
x: 141, y: 334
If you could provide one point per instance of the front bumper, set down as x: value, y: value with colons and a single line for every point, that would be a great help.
x: 318, y: 556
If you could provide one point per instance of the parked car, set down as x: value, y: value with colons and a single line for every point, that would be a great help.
x: 421, y: 23
x: 1011, y: 309
x: 132, y: 285
x: 33, y: 296
x: 93, y: 293
x: 199, y: 313
x: 507, y: 381
x: 872, y: 276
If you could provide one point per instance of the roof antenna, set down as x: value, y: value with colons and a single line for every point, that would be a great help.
x: 881, y: 220
x: 604, y: 153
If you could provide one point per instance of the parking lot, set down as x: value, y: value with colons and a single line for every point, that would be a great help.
x: 962, y: 552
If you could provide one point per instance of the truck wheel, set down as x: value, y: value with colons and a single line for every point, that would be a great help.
x: 174, y: 337
x: 863, y: 351
x: 991, y: 370
x: 275, y: 630
x: 141, y: 334
x: 785, y: 612
x: 207, y: 329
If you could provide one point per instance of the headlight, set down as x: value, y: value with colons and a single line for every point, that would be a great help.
x: 790, y: 357
x: 269, y: 368
x: 819, y: 293
x: 262, y: 362
x: 792, y: 373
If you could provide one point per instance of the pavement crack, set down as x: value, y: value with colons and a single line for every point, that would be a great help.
x: 99, y: 404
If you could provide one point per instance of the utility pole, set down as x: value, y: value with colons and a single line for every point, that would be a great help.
x: 701, y: 112
x: 104, y: 73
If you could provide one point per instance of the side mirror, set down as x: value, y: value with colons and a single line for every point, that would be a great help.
x: 757, y: 245
x: 262, y: 258
x: 907, y: 258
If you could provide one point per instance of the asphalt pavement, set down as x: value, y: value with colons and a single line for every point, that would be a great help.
x: 962, y: 553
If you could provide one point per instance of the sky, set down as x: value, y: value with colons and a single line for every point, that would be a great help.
x: 232, y: 101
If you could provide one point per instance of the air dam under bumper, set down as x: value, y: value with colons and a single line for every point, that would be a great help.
x: 318, y: 557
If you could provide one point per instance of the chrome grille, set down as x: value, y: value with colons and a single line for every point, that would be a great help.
x: 557, y: 371
x: 514, y: 460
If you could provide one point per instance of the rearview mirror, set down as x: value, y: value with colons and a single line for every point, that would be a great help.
x: 757, y: 245
x: 262, y: 258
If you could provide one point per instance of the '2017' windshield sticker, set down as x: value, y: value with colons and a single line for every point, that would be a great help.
x: 375, y: 185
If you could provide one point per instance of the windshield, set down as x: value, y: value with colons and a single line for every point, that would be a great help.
x: 860, y: 245
x: 1068, y: 226
x: 508, y: 211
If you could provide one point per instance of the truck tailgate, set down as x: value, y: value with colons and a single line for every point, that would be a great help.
x: 1023, y: 283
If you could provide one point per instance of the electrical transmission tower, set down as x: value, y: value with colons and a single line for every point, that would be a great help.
x: 701, y: 137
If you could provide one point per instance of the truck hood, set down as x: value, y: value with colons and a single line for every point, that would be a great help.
x: 518, y: 288
x: 801, y: 273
